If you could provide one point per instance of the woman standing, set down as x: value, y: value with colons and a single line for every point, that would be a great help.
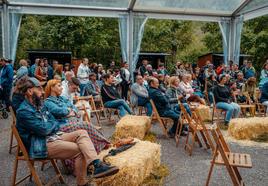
x: 41, y: 72
x: 223, y: 100
x: 126, y: 76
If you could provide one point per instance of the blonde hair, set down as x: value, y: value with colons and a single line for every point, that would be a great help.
x: 51, y: 83
x: 23, y: 62
x: 172, y: 80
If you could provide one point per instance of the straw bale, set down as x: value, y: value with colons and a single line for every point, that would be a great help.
x: 204, y: 112
x: 135, y: 164
x: 132, y: 126
x: 248, y: 128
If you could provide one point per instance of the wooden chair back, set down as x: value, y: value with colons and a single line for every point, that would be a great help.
x: 158, y: 118
x: 13, y: 123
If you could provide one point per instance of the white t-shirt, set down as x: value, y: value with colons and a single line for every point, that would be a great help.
x: 83, y: 73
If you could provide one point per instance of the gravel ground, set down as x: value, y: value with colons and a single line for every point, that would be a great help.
x: 184, y: 170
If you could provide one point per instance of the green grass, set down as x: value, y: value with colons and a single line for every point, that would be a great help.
x: 261, y: 138
x: 150, y: 136
x: 157, y: 176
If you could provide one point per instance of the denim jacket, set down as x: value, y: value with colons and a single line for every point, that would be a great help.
x: 59, y: 108
x: 34, y: 126
x: 6, y: 77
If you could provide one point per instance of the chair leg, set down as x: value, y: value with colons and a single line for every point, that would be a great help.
x: 57, y: 170
x: 43, y: 165
x: 34, y: 174
x: 178, y: 133
x: 211, y: 168
x: 14, y: 177
x: 205, y: 139
x: 11, y: 142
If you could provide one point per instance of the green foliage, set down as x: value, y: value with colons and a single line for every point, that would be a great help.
x: 96, y: 38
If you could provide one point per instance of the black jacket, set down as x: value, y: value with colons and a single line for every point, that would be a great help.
x: 160, y: 99
x: 109, y: 93
x: 222, y: 94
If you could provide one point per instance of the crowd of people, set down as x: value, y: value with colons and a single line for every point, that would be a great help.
x: 50, y: 124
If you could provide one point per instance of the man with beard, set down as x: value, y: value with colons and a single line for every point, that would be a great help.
x: 39, y: 131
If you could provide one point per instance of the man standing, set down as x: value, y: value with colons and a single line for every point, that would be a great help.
x: 142, y: 68
x: 6, y: 79
x: 39, y: 131
x: 83, y: 73
x: 140, y: 96
x: 126, y: 76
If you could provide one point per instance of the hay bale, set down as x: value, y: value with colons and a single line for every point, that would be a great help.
x: 135, y: 164
x: 132, y: 126
x: 204, y: 112
x: 248, y: 128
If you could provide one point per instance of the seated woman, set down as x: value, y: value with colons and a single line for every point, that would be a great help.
x: 174, y: 95
x: 187, y: 89
x: 223, y: 96
x: 111, y: 97
x: 196, y: 85
x: 249, y: 90
x: 68, y: 116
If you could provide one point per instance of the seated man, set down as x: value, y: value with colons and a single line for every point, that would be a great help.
x: 162, y: 104
x: 111, y: 97
x: 40, y: 134
x: 70, y: 89
x: 140, y: 96
x: 92, y: 87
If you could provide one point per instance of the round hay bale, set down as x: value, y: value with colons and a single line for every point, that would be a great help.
x: 248, y: 128
x: 135, y: 164
x: 132, y: 126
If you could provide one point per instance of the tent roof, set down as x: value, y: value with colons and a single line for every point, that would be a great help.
x: 153, y: 8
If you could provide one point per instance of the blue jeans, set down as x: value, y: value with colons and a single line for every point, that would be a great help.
x: 177, y: 109
x: 232, y: 110
x: 82, y: 86
x: 174, y: 116
x: 210, y: 97
x: 119, y: 104
x: 145, y: 103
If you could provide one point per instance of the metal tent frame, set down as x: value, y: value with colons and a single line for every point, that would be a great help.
x: 152, y: 9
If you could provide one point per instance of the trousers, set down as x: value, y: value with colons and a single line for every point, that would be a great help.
x: 75, y: 145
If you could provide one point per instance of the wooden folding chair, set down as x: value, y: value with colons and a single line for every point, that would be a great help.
x: 94, y: 110
x: 196, y: 126
x: 223, y: 156
x: 23, y: 155
x: 216, y: 111
x: 13, y: 123
x: 248, y: 106
x: 162, y: 120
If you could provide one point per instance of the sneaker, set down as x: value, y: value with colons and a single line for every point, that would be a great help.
x: 103, y: 170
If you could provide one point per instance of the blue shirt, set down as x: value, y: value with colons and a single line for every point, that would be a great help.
x: 59, y: 107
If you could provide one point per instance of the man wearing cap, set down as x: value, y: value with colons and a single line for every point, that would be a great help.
x: 39, y: 131
x: 6, y: 79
